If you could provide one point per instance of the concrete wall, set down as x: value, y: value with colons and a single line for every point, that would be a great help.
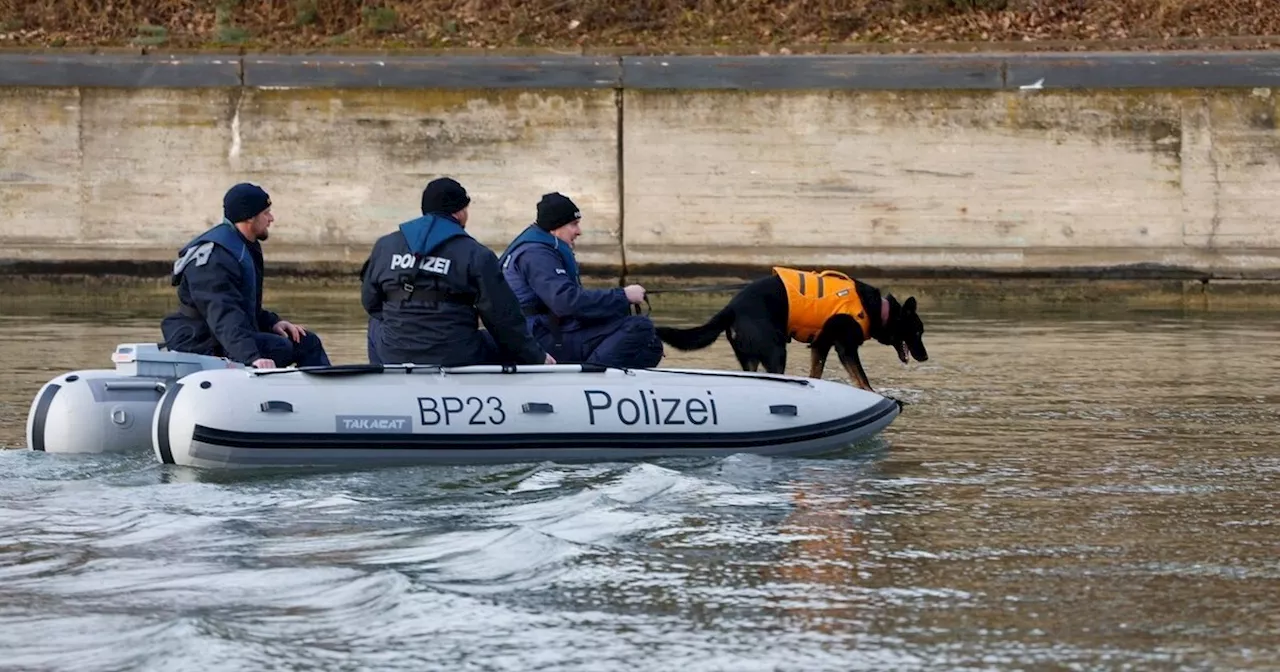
x: 1121, y: 165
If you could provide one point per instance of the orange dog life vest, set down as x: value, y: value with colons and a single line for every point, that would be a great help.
x: 812, y: 298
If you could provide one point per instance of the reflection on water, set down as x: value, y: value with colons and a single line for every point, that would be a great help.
x: 1063, y: 491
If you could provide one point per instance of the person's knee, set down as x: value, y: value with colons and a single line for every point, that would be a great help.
x: 276, y: 348
x: 310, y: 341
x: 640, y: 327
x: 490, y: 351
x: 639, y: 323
x: 649, y: 350
x: 489, y: 343
x: 310, y: 350
x: 651, y: 353
x: 634, y: 343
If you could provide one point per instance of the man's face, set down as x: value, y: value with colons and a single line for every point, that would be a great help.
x: 569, y: 232
x: 259, y: 225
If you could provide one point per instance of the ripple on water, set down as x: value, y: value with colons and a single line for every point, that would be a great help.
x: 1057, y: 494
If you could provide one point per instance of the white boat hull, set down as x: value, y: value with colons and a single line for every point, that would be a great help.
x: 366, y: 416
x: 93, y: 411
x: 108, y: 410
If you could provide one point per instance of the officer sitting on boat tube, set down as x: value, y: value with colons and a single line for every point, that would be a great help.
x: 219, y: 279
x: 426, y: 285
x: 571, y: 322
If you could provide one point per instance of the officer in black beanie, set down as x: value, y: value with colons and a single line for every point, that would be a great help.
x: 426, y: 285
x: 556, y: 210
x: 572, y: 322
x: 445, y: 196
x: 219, y: 279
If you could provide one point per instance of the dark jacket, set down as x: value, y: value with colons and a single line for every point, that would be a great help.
x: 219, y: 279
x: 543, y: 273
x: 455, y: 280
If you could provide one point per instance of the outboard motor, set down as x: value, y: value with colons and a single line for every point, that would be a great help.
x: 109, y: 410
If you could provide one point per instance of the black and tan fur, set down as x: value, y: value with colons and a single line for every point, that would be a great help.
x: 755, y: 321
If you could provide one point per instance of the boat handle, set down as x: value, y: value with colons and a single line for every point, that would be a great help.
x: 538, y: 407
x: 136, y: 385
x: 783, y: 409
x: 276, y: 407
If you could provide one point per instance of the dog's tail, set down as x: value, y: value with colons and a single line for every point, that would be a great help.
x: 697, y: 338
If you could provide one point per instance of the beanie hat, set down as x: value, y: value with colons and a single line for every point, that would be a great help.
x: 445, y: 195
x: 555, y: 210
x: 244, y: 201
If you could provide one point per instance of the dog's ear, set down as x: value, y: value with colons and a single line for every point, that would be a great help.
x: 910, y: 305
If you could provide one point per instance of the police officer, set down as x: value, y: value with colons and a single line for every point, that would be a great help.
x: 425, y: 285
x: 573, y: 323
x: 219, y: 279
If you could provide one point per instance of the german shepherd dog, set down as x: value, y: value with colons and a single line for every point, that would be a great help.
x: 756, y: 320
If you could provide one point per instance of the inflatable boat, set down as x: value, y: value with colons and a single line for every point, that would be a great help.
x: 109, y: 410
x: 365, y: 415
x: 209, y: 412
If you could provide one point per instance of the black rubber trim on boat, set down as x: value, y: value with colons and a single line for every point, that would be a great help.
x: 162, y: 423
x: 295, y: 441
x: 338, y: 369
x: 360, y: 369
x: 803, y: 382
x: 332, y: 370
x: 42, y: 414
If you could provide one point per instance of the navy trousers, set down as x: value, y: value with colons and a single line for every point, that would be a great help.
x: 631, y: 342
x: 492, y: 354
x: 307, y: 352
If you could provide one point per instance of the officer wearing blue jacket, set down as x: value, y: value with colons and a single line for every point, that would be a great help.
x: 426, y: 285
x: 575, y: 324
x: 219, y: 279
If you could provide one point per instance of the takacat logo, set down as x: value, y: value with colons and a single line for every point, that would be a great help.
x: 372, y: 423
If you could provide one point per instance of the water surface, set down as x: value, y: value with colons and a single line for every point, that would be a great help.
x: 1066, y: 490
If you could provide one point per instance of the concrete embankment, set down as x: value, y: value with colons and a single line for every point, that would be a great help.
x: 688, y: 169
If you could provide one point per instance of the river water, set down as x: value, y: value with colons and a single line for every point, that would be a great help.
x: 1077, y: 489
